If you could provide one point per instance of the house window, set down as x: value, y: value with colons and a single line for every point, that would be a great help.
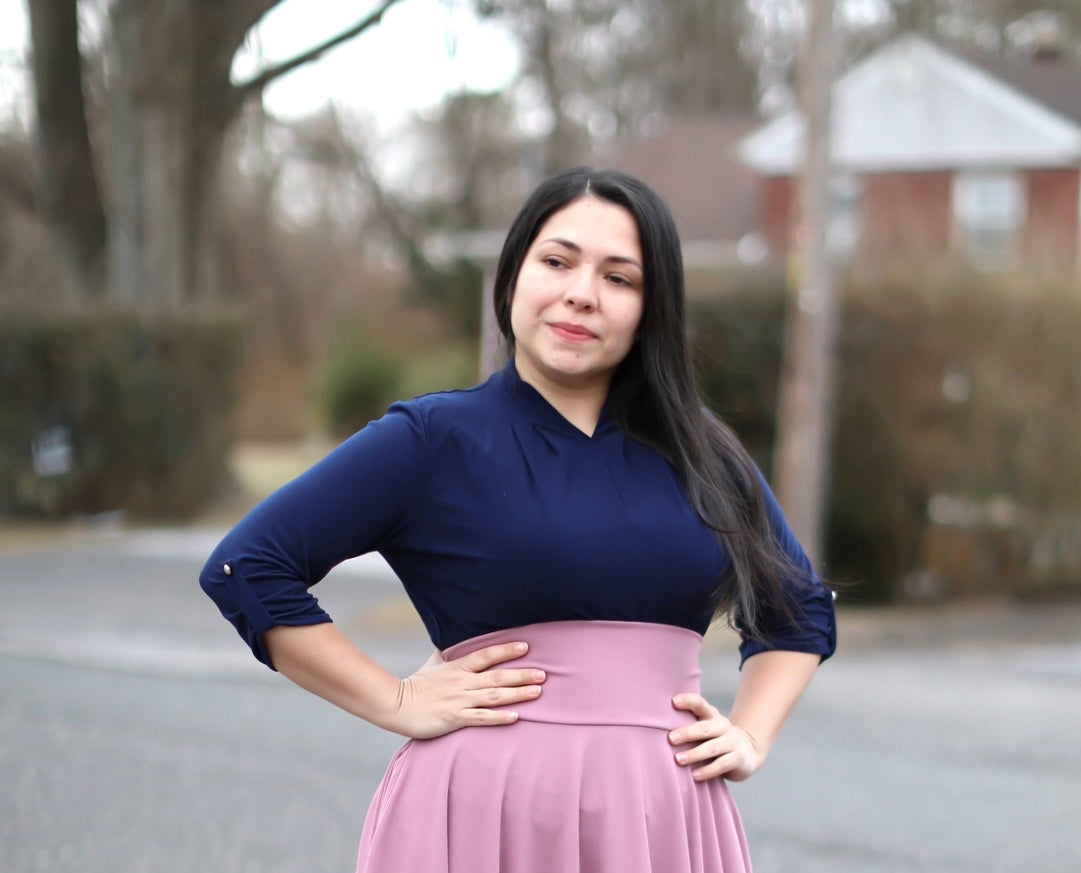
x: 988, y: 212
x: 846, y: 215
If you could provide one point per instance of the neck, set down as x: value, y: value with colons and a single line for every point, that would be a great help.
x: 578, y: 402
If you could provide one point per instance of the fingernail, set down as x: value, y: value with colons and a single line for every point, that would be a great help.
x: 682, y: 758
x: 520, y: 647
x: 677, y: 700
x: 534, y: 690
x: 675, y: 736
x: 538, y: 675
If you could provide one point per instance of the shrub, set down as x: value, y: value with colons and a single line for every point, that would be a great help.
x: 736, y: 341
x: 358, y: 382
x: 113, y: 410
x: 360, y: 379
x: 957, y: 447
x: 959, y: 435
x: 452, y: 366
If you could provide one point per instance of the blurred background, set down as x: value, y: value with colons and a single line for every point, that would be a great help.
x: 232, y: 233
x: 228, y: 230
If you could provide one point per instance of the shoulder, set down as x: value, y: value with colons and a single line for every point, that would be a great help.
x: 444, y: 412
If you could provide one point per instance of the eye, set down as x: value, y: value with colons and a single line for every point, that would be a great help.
x: 553, y: 261
x: 617, y: 279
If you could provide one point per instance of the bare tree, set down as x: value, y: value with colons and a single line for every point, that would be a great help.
x: 68, y: 190
x: 805, y: 411
x: 991, y: 25
x: 171, y: 103
x: 614, y: 69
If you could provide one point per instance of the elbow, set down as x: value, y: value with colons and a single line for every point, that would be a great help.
x: 213, y: 580
x: 238, y: 606
x: 255, y: 602
x: 210, y: 580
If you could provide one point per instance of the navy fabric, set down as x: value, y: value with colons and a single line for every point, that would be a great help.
x: 495, y: 512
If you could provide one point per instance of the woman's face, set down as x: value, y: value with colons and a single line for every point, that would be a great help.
x: 579, y: 295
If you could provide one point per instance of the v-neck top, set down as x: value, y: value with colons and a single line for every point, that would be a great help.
x: 495, y: 512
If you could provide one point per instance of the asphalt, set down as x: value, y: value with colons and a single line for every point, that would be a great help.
x: 138, y: 734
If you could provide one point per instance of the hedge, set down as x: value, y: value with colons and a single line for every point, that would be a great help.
x: 957, y: 451
x: 113, y: 410
x: 360, y: 378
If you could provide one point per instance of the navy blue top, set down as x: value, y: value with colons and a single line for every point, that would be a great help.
x: 495, y: 512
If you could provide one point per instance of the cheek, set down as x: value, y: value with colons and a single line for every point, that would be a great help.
x: 632, y: 323
x: 514, y: 318
x: 526, y: 301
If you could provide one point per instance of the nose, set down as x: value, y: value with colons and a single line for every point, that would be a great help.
x: 580, y: 292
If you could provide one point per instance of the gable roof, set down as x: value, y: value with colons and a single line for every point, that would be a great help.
x: 692, y: 165
x: 1051, y: 81
x: 912, y: 105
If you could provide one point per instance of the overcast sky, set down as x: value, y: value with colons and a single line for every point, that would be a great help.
x: 420, y: 51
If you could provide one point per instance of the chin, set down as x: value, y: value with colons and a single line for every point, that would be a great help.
x: 581, y: 374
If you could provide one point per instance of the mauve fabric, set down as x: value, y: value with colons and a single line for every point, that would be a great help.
x: 495, y: 512
x: 584, y: 782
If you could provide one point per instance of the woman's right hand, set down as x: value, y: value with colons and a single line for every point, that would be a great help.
x: 443, y: 696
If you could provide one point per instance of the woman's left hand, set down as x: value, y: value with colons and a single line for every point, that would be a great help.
x: 721, y: 748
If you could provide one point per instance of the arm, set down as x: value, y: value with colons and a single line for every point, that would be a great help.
x: 439, y: 698
x: 355, y: 500
x: 776, y: 670
x: 735, y: 747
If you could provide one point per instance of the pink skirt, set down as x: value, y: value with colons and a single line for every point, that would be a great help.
x: 584, y: 782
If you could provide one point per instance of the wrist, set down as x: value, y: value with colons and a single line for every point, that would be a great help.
x: 754, y: 735
x: 386, y: 705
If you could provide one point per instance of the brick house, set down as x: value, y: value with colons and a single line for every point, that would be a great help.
x: 941, y: 154
x: 693, y: 164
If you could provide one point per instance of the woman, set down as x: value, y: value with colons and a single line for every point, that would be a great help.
x: 567, y: 531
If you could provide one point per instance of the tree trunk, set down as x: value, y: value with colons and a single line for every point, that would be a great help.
x: 168, y: 120
x: 67, y: 182
x: 172, y: 104
x: 805, y: 414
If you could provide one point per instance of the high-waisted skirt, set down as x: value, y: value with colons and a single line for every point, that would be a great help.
x: 584, y: 782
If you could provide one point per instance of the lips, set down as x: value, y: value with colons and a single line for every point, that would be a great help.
x: 572, y: 332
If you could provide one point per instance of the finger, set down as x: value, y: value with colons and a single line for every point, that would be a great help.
x: 482, y: 659
x: 707, y: 751
x: 734, y: 765
x: 721, y: 766
x: 500, y: 696
x: 513, y: 678
x: 488, y: 717
x: 700, y: 730
x: 697, y: 705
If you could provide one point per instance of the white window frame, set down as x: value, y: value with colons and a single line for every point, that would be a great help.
x: 989, y: 209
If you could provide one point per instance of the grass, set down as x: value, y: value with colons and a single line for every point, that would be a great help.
x: 261, y: 468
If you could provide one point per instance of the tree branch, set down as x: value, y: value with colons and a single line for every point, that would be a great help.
x: 257, y: 84
x: 431, y: 279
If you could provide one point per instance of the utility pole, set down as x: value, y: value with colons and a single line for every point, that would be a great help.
x: 806, y: 404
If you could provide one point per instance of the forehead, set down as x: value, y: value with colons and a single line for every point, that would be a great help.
x: 593, y: 222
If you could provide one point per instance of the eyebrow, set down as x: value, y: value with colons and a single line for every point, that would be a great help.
x: 574, y: 247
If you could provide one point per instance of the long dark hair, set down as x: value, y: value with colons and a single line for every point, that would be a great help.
x: 654, y: 394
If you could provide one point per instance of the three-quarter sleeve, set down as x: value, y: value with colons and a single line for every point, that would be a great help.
x: 812, y: 628
x: 355, y: 500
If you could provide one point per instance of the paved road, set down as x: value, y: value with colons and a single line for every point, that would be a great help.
x: 137, y: 736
